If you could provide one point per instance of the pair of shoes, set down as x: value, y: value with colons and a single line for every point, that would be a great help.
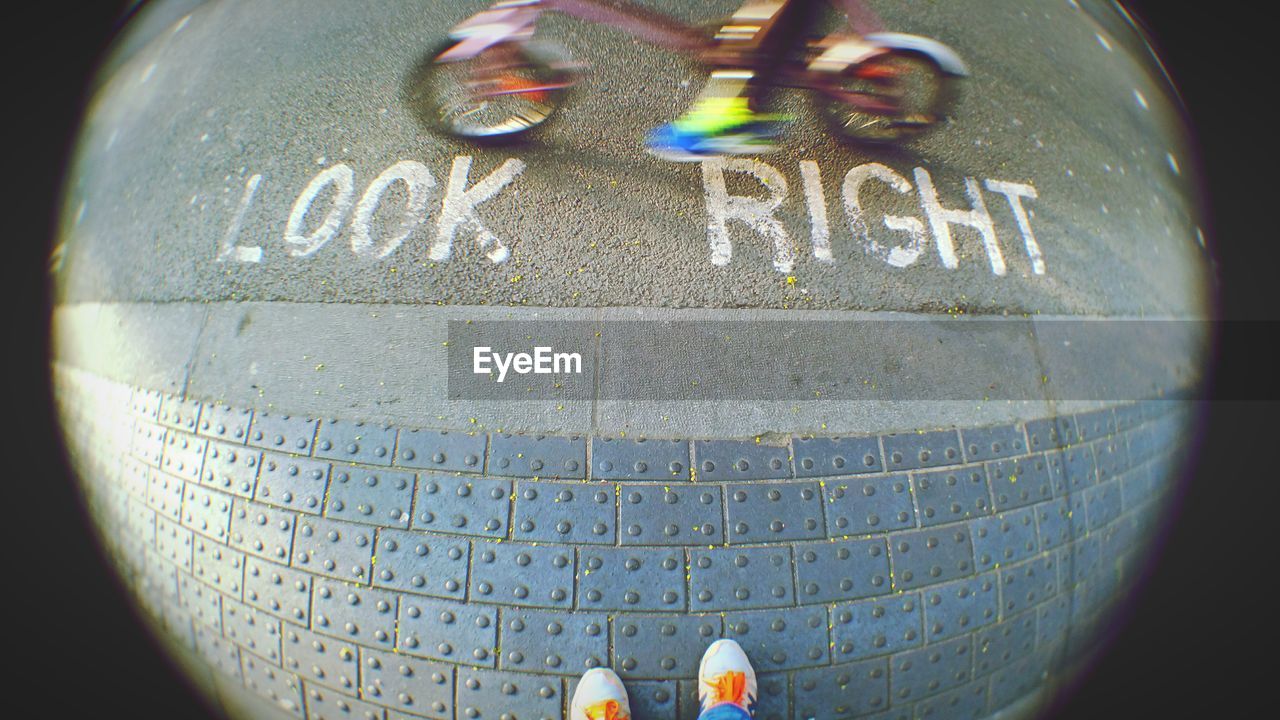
x: 725, y: 677
x: 716, y: 126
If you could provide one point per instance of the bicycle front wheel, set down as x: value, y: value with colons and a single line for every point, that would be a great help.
x: 891, y: 97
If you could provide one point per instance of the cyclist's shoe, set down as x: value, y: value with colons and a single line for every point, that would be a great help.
x: 600, y: 696
x: 725, y: 677
x: 716, y: 126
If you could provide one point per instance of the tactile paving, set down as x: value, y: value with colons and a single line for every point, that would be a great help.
x: 326, y: 704
x: 522, y: 574
x: 859, y: 506
x: 293, y: 482
x: 420, y: 563
x: 321, y: 659
x: 1053, y: 521
x: 662, y: 646
x: 538, y: 456
x: 355, y: 442
x: 206, y: 511
x: 993, y: 442
x: 1020, y: 482
x: 377, y: 497
x: 354, y: 613
x: 183, y: 455
x: 930, y: 556
x: 222, y: 655
x: 842, y: 691
x: 740, y: 578
x: 441, y: 450
x: 553, y: 642
x: 631, y: 579
x: 910, y: 451
x: 841, y: 570
x: 1044, y: 434
x: 655, y: 699
x: 652, y: 514
x: 776, y: 640
x: 421, y: 687
x: 827, y: 457
x: 443, y: 630
x: 571, y: 513
x: 262, y: 531
x: 1096, y: 424
x: 1112, y: 457
x: 774, y: 512
x: 741, y: 460
x: 485, y: 694
x: 462, y: 505
x: 254, y: 631
x: 282, y: 432
x: 281, y: 591
x: 1027, y: 584
x: 216, y: 564
x: 964, y: 703
x: 951, y: 495
x: 282, y: 688
x: 961, y: 606
x: 1004, y: 538
x: 334, y: 548
x: 1103, y: 504
x: 201, y: 601
x: 994, y: 647
x: 164, y: 494
x: 225, y: 422
x: 231, y: 468
x: 147, y: 443
x: 930, y: 670
x: 876, y: 626
x: 639, y: 459
x: 173, y: 542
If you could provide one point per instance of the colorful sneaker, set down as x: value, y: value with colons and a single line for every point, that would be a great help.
x: 715, y: 126
x: 725, y: 677
x: 600, y: 696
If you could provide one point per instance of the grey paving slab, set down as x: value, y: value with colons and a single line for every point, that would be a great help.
x: 444, y: 630
x: 877, y: 626
x: 420, y: 688
x: 491, y: 694
x: 279, y: 590
x: 293, y: 482
x: 333, y: 548
x: 650, y: 514
x: 740, y: 578
x: 539, y: 456
x: 148, y: 442
x: 639, y: 459
x: 354, y: 613
x: 1028, y: 583
x: 842, y: 691
x: 326, y: 704
x: 1112, y: 457
x: 1020, y: 482
x: 462, y: 504
x: 1080, y: 466
x: 421, y: 563
x: 926, y: 671
x: 968, y: 702
x: 1103, y: 503
x: 231, y: 468
x: 173, y: 542
x: 222, y: 655
x: 1052, y: 618
x: 950, y: 495
x: 992, y: 442
x: 1004, y: 538
x: 262, y: 531
x: 1045, y: 434
x: 1095, y: 425
x: 179, y: 413
x: 224, y: 422
x: 217, y: 565
x: 441, y: 450
x: 377, y: 497
x: 774, y: 512
x: 355, y: 442
x: 522, y: 574
x: 257, y: 632
x: 662, y: 646
x: 283, y: 689
x: 183, y: 455
x: 633, y: 579
x: 922, y: 450
x: 202, y: 602
x: 961, y: 606
x: 828, y: 457
x: 779, y: 640
x: 575, y: 513
x: 206, y: 511
x: 995, y: 647
x: 321, y: 660
x: 282, y: 432
x: 859, y: 506
x: 164, y: 494
x: 544, y: 641
x: 1053, y: 523
x: 742, y: 460
x: 841, y: 570
x: 930, y: 556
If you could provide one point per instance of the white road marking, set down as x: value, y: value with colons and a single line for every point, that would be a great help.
x: 459, y: 208
x: 1014, y: 193
x: 899, y: 256
x: 417, y: 178
x: 343, y: 179
x: 229, y: 250
x: 755, y: 213
x: 816, y: 201
x: 940, y: 220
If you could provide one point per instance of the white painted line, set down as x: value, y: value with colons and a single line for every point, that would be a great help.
x: 229, y: 250
x: 816, y: 200
x: 1014, y: 193
x: 900, y: 255
x: 459, y: 208
x: 755, y: 213
x: 418, y: 180
x: 940, y: 220
x: 303, y: 244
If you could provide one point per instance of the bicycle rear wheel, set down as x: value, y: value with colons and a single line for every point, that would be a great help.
x: 892, y: 97
x: 506, y: 91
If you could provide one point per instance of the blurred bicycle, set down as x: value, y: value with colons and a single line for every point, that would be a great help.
x: 494, y: 81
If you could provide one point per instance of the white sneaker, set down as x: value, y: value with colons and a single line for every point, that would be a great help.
x: 600, y: 696
x: 725, y: 676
